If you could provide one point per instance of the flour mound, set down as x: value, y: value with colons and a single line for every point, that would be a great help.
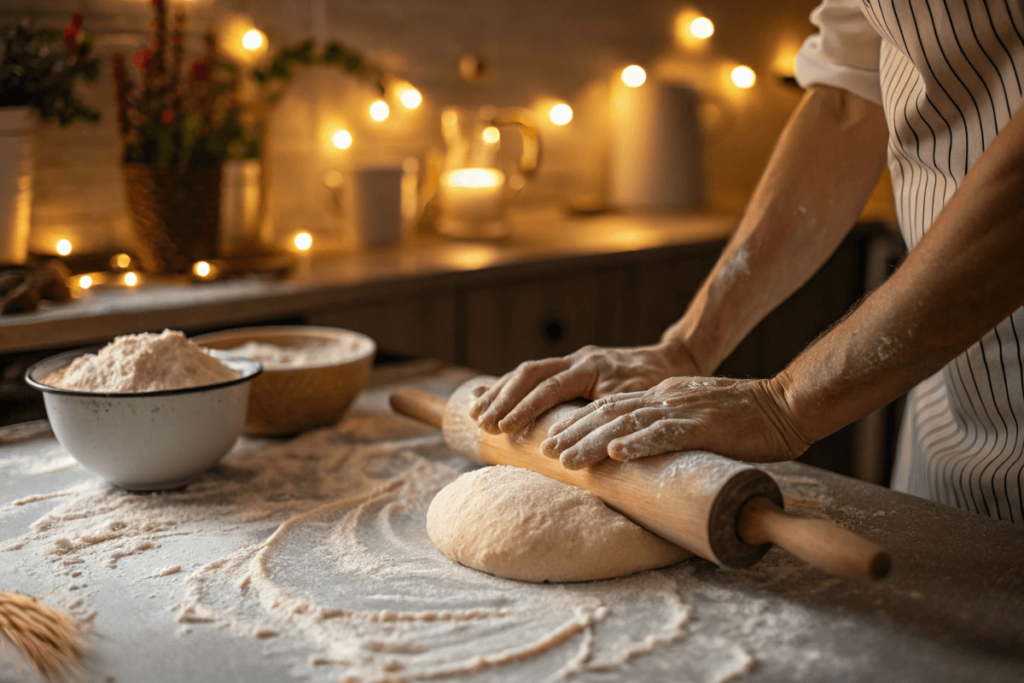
x: 136, y: 363
x: 519, y: 524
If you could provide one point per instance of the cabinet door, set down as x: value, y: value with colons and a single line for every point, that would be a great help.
x: 546, y: 317
x: 418, y: 326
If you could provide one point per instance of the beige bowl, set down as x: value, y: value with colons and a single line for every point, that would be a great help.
x: 287, y: 399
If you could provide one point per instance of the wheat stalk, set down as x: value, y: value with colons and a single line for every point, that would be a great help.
x: 49, y: 640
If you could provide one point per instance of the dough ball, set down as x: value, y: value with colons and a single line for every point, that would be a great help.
x: 515, y: 523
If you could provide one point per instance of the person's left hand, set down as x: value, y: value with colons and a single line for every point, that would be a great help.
x: 741, y: 419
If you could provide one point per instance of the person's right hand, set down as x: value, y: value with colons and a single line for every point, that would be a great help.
x: 518, y: 398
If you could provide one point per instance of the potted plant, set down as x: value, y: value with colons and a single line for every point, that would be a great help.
x: 179, y: 128
x: 38, y: 71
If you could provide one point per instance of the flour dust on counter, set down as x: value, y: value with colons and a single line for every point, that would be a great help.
x: 315, y: 552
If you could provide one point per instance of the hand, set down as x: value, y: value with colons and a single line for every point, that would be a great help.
x: 742, y: 419
x: 518, y: 398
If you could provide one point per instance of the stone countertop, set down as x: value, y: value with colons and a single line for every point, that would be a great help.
x: 543, y: 241
x: 951, y: 610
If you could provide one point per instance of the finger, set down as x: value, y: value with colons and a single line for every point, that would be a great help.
x: 579, y: 414
x: 520, y: 383
x: 554, y: 390
x: 594, y: 418
x: 484, y: 400
x: 663, y: 436
x: 594, y: 446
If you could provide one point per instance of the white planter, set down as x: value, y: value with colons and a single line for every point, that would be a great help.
x: 241, y: 204
x: 16, y: 165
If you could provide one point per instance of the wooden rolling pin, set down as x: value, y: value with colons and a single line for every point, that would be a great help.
x: 723, y: 510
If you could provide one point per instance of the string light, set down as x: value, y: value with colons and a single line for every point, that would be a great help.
x: 379, y: 110
x: 121, y: 261
x: 560, y: 114
x: 131, y: 279
x: 85, y: 282
x: 252, y: 40
x: 491, y: 134
x: 342, y: 139
x: 634, y: 76
x: 702, y: 28
x: 743, y: 77
x: 303, y: 241
x: 411, y: 98
x: 201, y: 268
x: 64, y: 247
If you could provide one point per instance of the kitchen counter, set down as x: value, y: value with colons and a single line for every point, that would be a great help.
x: 278, y: 566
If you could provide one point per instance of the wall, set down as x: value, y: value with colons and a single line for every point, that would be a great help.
x: 539, y: 50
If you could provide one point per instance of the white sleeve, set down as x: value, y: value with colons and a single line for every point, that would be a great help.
x: 843, y: 53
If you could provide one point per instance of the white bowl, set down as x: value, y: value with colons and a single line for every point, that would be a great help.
x: 146, y: 441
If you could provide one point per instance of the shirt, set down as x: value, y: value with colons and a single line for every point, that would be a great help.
x: 948, y: 75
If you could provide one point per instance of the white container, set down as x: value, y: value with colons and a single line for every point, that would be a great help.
x: 375, y: 198
x: 146, y: 441
x: 241, y: 204
x: 16, y: 167
x: 656, y: 160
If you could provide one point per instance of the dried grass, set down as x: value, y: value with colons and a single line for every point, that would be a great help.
x: 49, y: 640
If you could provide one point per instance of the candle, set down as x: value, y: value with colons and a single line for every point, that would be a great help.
x: 473, y: 194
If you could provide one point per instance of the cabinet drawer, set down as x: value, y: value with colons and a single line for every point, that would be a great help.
x: 540, y: 319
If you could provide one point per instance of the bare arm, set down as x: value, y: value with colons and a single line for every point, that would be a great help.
x: 961, y: 280
x: 816, y: 183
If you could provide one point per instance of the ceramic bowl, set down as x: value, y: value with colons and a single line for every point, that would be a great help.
x: 291, y: 398
x: 146, y: 441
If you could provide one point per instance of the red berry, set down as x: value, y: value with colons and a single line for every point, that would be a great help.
x: 167, y: 117
x: 200, y: 70
x: 76, y: 20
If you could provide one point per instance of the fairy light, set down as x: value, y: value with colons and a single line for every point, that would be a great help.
x: 634, y: 76
x: 64, y: 247
x: 252, y: 40
x: 743, y: 77
x: 379, y: 110
x: 303, y: 241
x: 491, y: 135
x: 702, y: 28
x: 121, y: 261
x: 131, y: 279
x: 85, y: 282
x: 411, y: 98
x: 560, y: 114
x: 201, y: 268
x: 342, y: 139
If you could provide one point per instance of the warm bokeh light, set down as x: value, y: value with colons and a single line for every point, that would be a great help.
x: 64, y: 247
x: 85, y: 282
x: 303, y: 241
x: 379, y: 110
x: 342, y: 139
x: 560, y: 114
x: 201, y: 268
x: 253, y: 39
x: 702, y: 28
x: 121, y: 261
x: 634, y: 76
x: 743, y: 77
x: 131, y: 279
x: 475, y: 177
x: 411, y: 98
x: 491, y: 134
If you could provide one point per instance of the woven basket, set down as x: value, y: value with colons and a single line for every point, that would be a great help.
x: 175, y: 214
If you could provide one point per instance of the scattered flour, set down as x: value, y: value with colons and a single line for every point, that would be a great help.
x: 340, y: 567
x: 142, y: 362
x: 308, y: 353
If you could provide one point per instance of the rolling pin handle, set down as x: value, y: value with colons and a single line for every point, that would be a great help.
x: 817, y: 542
x: 419, y: 405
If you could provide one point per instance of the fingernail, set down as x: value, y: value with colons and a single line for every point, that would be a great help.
x: 556, y: 428
x: 570, y: 462
x: 549, y: 447
x: 508, y: 426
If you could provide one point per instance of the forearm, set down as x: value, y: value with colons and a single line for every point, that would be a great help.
x: 960, y: 281
x: 817, y: 181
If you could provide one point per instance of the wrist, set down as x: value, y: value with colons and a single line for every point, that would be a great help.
x: 776, y: 393
x: 678, y: 357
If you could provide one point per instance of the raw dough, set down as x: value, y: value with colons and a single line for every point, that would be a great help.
x: 519, y: 524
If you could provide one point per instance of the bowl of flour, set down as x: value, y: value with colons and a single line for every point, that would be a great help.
x: 146, y: 411
x: 311, y: 374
